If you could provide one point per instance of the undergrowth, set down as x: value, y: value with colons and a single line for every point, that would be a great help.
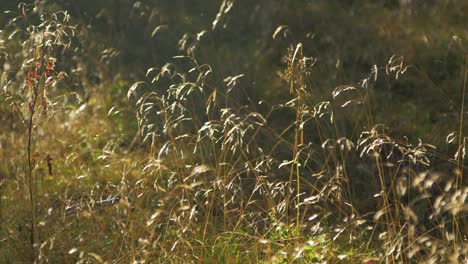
x: 205, y: 177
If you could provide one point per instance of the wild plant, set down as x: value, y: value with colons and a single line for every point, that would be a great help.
x: 235, y: 172
x: 32, y: 43
x: 213, y: 177
x: 220, y: 165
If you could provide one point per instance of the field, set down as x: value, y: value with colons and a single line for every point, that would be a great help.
x: 233, y: 131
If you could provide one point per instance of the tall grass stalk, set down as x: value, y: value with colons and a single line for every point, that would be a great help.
x: 457, y: 233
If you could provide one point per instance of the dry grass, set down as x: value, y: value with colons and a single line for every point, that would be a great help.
x: 210, y: 180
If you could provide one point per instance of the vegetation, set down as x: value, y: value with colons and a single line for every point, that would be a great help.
x: 232, y: 131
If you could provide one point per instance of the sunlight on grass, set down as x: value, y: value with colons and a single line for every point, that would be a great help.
x: 186, y: 165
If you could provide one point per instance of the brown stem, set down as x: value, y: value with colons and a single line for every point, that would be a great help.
x: 34, y: 228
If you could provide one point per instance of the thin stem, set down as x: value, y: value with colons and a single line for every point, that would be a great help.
x: 34, y: 229
x: 31, y: 183
x: 461, y: 158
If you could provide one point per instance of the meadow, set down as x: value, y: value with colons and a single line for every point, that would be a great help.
x: 233, y: 131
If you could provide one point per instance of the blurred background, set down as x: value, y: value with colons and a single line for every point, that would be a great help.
x: 118, y: 40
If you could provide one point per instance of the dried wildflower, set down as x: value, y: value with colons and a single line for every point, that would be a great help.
x: 50, y: 66
x: 32, y: 77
